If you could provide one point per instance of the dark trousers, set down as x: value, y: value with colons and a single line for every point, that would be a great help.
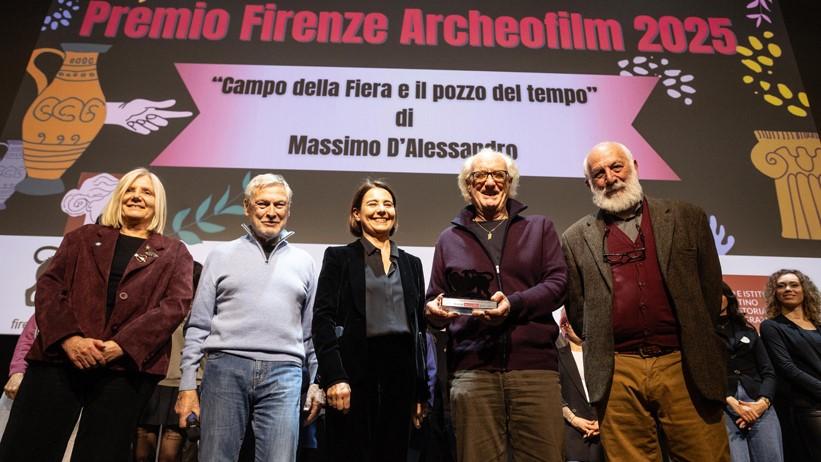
x: 49, y: 402
x: 377, y: 427
x: 808, y: 423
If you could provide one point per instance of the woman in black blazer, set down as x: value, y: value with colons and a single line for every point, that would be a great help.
x: 368, y: 332
x: 793, y: 340
x: 752, y: 425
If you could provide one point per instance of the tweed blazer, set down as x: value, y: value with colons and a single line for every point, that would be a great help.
x: 339, y: 324
x: 692, y: 275
x: 153, y: 298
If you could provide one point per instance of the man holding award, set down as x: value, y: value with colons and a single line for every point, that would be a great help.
x: 505, y: 393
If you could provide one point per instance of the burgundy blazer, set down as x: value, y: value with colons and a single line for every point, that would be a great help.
x: 153, y: 298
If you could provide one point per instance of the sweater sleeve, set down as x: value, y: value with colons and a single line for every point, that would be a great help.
x: 307, y: 322
x: 539, y: 301
x: 198, y: 326
x: 18, y: 360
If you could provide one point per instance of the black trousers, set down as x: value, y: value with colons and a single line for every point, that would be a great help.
x: 377, y: 427
x: 49, y: 402
x: 808, y: 423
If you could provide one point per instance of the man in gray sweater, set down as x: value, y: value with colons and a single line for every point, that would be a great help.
x: 251, y: 319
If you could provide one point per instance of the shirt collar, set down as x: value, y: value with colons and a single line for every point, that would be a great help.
x: 370, y: 248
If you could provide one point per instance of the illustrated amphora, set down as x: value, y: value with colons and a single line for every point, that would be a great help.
x: 64, y: 118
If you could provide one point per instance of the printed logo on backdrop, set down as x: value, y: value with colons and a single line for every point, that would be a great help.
x: 749, y: 290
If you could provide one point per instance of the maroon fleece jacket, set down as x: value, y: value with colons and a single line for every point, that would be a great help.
x: 532, y: 274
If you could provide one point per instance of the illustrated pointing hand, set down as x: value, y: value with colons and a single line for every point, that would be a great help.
x: 141, y: 115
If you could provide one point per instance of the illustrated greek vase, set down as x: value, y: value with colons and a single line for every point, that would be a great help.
x: 793, y: 161
x: 64, y: 118
x: 12, y: 170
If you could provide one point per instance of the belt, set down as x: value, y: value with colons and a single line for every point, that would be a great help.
x: 649, y: 351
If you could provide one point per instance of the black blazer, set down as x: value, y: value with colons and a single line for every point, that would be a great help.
x: 797, y: 358
x: 749, y: 362
x: 576, y: 447
x: 339, y: 328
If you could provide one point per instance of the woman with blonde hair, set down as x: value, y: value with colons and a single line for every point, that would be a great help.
x: 106, y: 308
x: 793, y: 341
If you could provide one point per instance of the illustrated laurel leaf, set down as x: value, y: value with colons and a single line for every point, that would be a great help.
x: 210, y: 227
x: 188, y: 237
x: 222, y: 201
x: 233, y: 210
x: 176, y: 224
x: 203, y: 208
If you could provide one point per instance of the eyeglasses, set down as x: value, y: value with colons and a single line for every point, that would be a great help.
x: 631, y: 256
x: 480, y: 176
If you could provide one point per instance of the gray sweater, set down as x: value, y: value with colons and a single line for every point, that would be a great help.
x: 252, y: 306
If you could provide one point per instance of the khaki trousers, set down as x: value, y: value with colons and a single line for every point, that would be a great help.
x: 516, y: 414
x: 650, y: 391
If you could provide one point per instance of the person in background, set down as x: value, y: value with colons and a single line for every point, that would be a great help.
x: 369, y: 333
x: 251, y: 319
x: 505, y: 395
x: 106, y: 308
x: 752, y: 425
x: 793, y: 340
x: 18, y: 364
x: 424, y: 441
x: 644, y: 289
x: 581, y: 442
x: 159, y: 423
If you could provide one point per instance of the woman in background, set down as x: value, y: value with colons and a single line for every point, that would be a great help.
x: 368, y: 331
x: 793, y: 340
x: 752, y: 425
x: 106, y: 308
x: 582, y: 442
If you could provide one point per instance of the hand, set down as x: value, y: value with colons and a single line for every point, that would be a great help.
x: 111, y: 351
x: 496, y: 315
x: 13, y: 385
x: 586, y: 427
x: 438, y: 316
x: 187, y: 402
x: 84, y: 352
x: 339, y: 396
x: 746, y: 413
x: 419, y: 415
x: 141, y: 115
x: 759, y: 407
x: 752, y: 411
x: 314, y: 400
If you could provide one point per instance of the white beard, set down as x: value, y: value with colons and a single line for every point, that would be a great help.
x: 629, y: 195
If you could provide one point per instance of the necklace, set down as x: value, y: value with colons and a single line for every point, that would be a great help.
x: 490, y: 231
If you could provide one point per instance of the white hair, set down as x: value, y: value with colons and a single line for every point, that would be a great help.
x: 603, y: 148
x: 487, y: 153
x: 266, y: 180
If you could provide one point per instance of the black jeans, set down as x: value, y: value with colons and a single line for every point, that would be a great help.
x: 49, y: 402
